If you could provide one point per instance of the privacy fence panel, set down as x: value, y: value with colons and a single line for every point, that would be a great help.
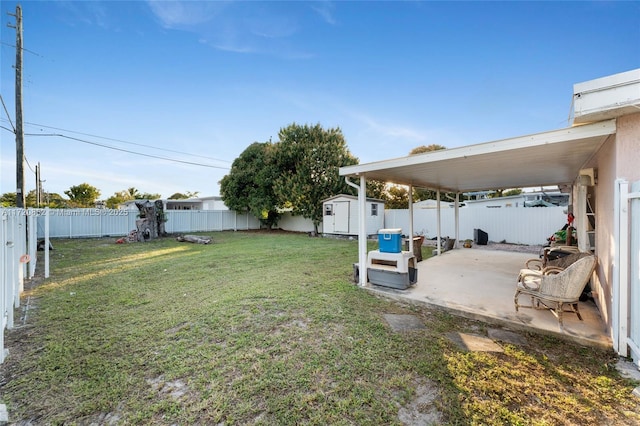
x: 516, y: 225
x: 82, y: 223
x: 71, y: 223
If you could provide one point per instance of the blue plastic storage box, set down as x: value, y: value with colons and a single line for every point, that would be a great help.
x: 390, y: 240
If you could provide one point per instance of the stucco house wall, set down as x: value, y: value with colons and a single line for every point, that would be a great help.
x: 628, y: 137
x: 605, y: 164
x: 619, y: 157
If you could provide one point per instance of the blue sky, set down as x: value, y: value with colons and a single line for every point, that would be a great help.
x: 210, y: 78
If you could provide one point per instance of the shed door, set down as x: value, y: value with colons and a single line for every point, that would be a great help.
x: 341, y: 217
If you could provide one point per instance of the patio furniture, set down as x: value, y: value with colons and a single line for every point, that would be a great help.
x: 559, y: 262
x: 553, y: 256
x: 556, y: 288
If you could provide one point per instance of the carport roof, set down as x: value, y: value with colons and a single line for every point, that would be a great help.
x: 549, y: 158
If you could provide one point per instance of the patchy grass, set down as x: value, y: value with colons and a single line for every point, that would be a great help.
x: 266, y: 328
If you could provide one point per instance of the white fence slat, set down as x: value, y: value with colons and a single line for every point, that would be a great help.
x: 33, y: 244
x: 4, y: 278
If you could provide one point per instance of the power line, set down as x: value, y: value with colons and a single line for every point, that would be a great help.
x: 127, y: 151
x: 127, y: 142
x: 23, y: 49
x: 27, y: 161
x: 7, y: 112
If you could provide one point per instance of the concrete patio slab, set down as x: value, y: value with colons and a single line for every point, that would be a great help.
x: 480, y: 284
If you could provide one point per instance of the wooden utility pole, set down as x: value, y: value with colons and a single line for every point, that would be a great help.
x: 19, y: 129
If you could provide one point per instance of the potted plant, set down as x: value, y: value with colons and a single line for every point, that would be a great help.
x: 468, y: 243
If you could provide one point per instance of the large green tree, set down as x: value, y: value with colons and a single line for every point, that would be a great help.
x: 48, y: 199
x: 8, y: 199
x: 377, y: 189
x: 397, y: 197
x: 83, y: 195
x: 308, y: 159
x: 249, y: 184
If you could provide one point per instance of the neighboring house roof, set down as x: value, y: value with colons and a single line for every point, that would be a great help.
x: 351, y: 197
x: 549, y: 158
x: 538, y: 203
x: 211, y: 197
x: 197, y: 200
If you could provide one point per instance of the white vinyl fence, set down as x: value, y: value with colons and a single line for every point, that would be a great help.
x: 75, y: 223
x: 517, y: 225
x: 13, y: 247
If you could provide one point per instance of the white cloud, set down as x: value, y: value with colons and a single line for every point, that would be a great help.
x: 325, y: 10
x: 182, y: 15
x: 90, y: 13
x: 240, y: 27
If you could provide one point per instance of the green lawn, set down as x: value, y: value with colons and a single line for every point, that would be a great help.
x: 267, y: 328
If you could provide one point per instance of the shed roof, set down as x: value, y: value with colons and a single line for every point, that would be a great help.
x: 549, y: 158
x: 352, y: 197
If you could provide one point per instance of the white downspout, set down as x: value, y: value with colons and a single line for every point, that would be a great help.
x: 362, y: 228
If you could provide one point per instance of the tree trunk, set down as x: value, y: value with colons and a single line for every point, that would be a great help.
x: 194, y: 239
x: 152, y: 219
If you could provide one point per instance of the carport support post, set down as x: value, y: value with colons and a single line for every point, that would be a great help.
x: 362, y: 233
x: 411, y: 219
x: 362, y: 228
x: 46, y: 241
x: 457, y: 213
x: 439, y: 249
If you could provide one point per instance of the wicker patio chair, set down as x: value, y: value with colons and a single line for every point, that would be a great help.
x: 547, y: 257
x: 554, y: 289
